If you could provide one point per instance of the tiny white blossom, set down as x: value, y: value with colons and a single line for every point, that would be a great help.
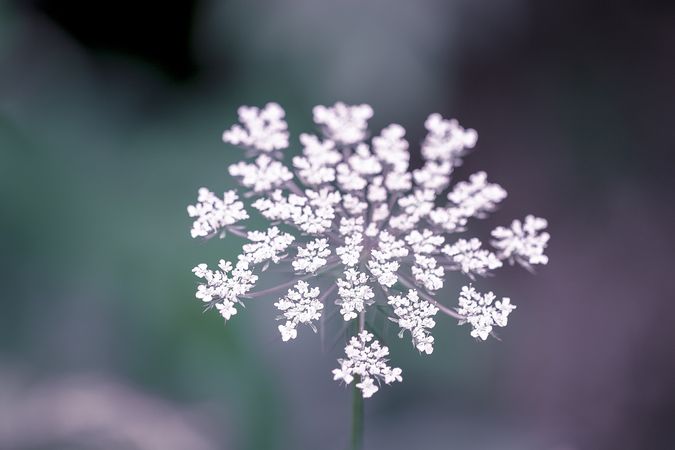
x: 433, y: 175
x: 212, y: 213
x: 349, y: 225
x: 384, y: 262
x: 262, y: 176
x: 300, y: 305
x: 523, y: 242
x: 267, y: 245
x: 477, y: 196
x: 315, y: 167
x: 451, y: 219
x: 353, y: 293
x: 314, y: 221
x: 312, y: 173
x: 427, y: 272
x: 320, y: 153
x: 325, y: 198
x: 380, y: 212
x: 419, y: 203
x: 391, y: 148
x: 368, y: 387
x: 223, y: 288
x: 368, y: 361
x: 447, y: 140
x: 342, y: 123
x: 353, y: 205
x: 470, y: 258
x: 363, y: 162
x: 480, y: 313
x: 416, y: 316
x: 372, y: 230
x: 349, y: 179
x: 425, y: 242
x: 312, y: 256
x: 398, y: 182
x: 377, y: 192
x: 264, y: 130
x: 404, y: 222
x: 278, y: 207
x: 473, y: 198
x: 350, y: 253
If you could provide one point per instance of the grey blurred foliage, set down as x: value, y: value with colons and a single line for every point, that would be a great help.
x: 100, y: 153
x: 94, y: 413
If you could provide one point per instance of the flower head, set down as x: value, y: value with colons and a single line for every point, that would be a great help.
x: 359, y: 231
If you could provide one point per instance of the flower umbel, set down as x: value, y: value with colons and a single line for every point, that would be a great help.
x: 479, y: 311
x: 300, y: 305
x: 361, y: 232
x: 367, y: 360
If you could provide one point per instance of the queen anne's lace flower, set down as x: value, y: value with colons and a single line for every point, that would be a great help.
x: 368, y: 361
x: 360, y: 232
x: 300, y: 305
x: 480, y: 313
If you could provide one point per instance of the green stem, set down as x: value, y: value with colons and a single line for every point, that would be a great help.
x: 357, y: 401
x: 357, y: 419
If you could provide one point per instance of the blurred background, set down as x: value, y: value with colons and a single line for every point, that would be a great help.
x: 111, y: 114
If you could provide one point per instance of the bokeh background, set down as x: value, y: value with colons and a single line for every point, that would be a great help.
x: 111, y: 114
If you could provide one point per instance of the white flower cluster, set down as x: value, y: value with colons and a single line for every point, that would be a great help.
x: 368, y: 361
x: 361, y: 233
x: 470, y: 258
x: 417, y: 316
x: 312, y: 257
x: 300, y: 305
x: 224, y: 287
x: 264, y: 130
x: 213, y: 214
x: 447, y: 140
x: 523, y: 242
x: 354, y: 293
x: 480, y: 313
x: 266, y: 245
